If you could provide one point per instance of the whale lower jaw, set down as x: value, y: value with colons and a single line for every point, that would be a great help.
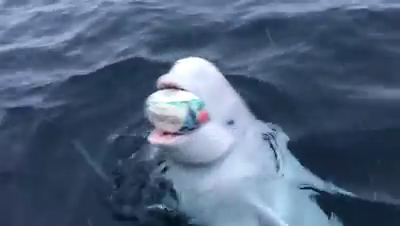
x: 203, y: 146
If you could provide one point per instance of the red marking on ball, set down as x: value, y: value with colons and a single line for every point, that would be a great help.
x: 203, y: 116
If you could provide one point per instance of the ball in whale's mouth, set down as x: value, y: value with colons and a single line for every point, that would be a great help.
x: 173, y: 113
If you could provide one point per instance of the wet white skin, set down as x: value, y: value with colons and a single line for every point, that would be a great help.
x: 225, y: 173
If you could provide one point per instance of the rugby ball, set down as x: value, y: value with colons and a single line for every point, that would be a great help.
x: 175, y: 111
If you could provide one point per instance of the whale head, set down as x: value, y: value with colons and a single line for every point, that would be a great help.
x: 228, y: 113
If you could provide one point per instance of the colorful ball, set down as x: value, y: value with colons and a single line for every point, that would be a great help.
x: 175, y: 111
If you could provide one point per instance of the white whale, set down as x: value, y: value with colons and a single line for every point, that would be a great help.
x: 235, y: 170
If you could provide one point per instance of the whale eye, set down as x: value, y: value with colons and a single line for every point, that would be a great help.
x: 230, y: 122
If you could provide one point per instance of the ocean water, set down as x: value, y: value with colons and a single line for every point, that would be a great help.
x: 74, y: 74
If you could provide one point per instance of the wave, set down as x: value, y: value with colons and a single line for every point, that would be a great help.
x: 77, y: 73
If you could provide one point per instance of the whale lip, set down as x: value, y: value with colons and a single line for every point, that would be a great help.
x: 157, y: 136
x: 169, y: 85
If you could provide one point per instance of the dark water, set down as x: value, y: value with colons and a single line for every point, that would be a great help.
x: 73, y: 76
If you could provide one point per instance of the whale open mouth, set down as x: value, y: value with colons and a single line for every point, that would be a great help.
x: 161, y: 137
x: 158, y: 136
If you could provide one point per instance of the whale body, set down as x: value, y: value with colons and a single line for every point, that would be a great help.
x: 236, y: 169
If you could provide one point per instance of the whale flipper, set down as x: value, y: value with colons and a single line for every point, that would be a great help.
x: 357, y: 211
x: 369, y: 160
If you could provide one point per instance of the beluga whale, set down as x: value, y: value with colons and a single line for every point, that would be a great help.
x: 235, y: 169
